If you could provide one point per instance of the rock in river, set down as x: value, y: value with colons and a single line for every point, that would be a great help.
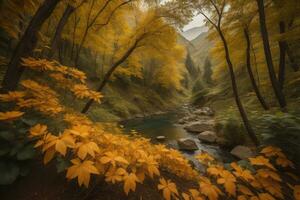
x: 242, y: 152
x: 208, y: 136
x: 161, y: 138
x: 187, y: 144
x: 199, y: 127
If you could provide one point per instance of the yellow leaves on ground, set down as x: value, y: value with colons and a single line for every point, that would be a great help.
x: 266, y: 173
x: 297, y: 192
x: 261, y: 161
x: 12, y: 96
x: 194, y: 195
x: 82, y: 170
x: 64, y: 141
x: 228, y: 180
x: 241, y: 173
x: 204, y: 158
x: 113, y: 159
x: 168, y: 187
x: 151, y: 165
x: 208, y: 189
x: 281, y: 159
x: 38, y: 130
x: 11, y: 115
x: 115, y: 175
x: 87, y: 148
x: 130, y: 182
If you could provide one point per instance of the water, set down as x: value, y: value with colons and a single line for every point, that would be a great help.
x: 165, y: 125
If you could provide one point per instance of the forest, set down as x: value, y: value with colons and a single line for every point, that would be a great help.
x: 149, y: 99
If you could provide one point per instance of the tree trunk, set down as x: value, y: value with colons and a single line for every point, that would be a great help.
x: 239, y: 104
x: 61, y: 24
x: 282, y: 53
x: 250, y: 72
x: 109, y: 73
x: 291, y: 57
x: 268, y: 55
x: 26, y: 45
x: 80, y: 47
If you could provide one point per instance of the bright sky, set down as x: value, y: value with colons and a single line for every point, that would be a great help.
x: 196, y: 22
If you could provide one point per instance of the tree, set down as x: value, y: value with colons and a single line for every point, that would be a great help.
x: 243, y: 13
x: 218, y: 9
x: 268, y: 55
x: 150, y: 36
x: 26, y: 45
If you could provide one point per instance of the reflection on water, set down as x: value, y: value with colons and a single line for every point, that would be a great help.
x: 165, y: 125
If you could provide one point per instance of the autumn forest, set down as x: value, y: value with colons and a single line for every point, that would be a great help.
x: 149, y: 99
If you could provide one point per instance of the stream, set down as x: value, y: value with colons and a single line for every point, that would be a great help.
x: 165, y: 125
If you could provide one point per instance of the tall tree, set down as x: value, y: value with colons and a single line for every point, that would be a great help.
x: 240, y: 17
x: 268, y: 55
x: 26, y: 45
x: 218, y: 8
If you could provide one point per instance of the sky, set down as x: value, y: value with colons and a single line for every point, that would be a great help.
x: 196, y: 22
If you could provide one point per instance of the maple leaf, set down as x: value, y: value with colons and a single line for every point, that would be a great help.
x: 208, y: 189
x: 49, y: 154
x: 64, y: 141
x: 245, y: 191
x: 81, y: 130
x: 270, y: 151
x: 265, y: 196
x: 151, y: 164
x: 284, y: 162
x: 115, y: 175
x: 204, y: 158
x: 82, y: 170
x: 168, y: 187
x: 241, y: 173
x: 113, y: 158
x: 11, y: 115
x: 273, y: 187
x: 37, y: 130
x: 130, y: 182
x: 228, y: 180
x: 214, y: 170
x: 87, y: 148
x: 12, y: 96
x: 265, y: 173
x: 297, y: 192
x: 261, y: 161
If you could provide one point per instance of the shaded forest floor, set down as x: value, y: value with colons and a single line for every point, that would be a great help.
x: 44, y: 183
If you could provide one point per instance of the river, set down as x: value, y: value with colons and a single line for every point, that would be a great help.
x: 165, y: 125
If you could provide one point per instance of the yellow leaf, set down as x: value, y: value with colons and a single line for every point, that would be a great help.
x: 38, y: 130
x: 82, y: 170
x: 241, y: 173
x: 265, y: 196
x: 130, y: 182
x: 87, y: 148
x: 115, y: 175
x: 49, y: 155
x: 297, y: 192
x: 208, y: 189
x: 168, y: 187
x: 228, y: 180
x: 11, y: 115
x: 261, y: 161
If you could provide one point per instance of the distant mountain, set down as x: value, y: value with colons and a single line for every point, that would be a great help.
x: 194, y: 32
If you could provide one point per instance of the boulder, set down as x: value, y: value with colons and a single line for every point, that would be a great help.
x: 187, y: 144
x: 199, y: 127
x: 161, y: 138
x: 204, y: 111
x: 242, y: 152
x: 208, y: 136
